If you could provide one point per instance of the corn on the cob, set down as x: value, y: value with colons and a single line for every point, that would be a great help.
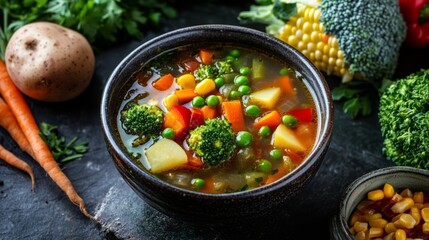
x: 305, y: 32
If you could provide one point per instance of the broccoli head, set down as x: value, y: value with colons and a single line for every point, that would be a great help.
x: 213, y: 141
x: 404, y: 120
x: 213, y: 70
x: 143, y: 120
x: 369, y: 32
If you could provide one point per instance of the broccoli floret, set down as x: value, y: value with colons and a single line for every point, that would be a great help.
x: 214, y: 141
x: 212, y: 71
x: 143, y: 120
x: 404, y: 120
x: 369, y: 32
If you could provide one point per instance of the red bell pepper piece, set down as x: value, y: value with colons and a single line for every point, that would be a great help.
x: 178, y: 119
x: 197, y: 118
x: 416, y: 16
x: 302, y: 114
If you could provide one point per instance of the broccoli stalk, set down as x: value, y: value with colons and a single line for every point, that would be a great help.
x: 214, y: 141
x: 143, y: 120
x: 404, y: 120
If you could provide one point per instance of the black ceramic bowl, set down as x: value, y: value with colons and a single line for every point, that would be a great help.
x: 398, y: 176
x: 215, y: 208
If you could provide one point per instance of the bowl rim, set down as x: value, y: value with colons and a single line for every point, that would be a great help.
x: 322, y: 140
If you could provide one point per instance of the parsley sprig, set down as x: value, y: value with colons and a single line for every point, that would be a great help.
x: 62, y: 151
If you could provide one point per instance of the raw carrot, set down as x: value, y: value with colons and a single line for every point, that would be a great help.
x: 286, y: 85
x: 206, y: 56
x: 14, y: 161
x: 271, y: 119
x: 164, y: 82
x: 43, y: 155
x: 8, y: 122
x: 233, y: 112
x: 185, y: 95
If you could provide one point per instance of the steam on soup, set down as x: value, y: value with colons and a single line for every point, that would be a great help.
x: 217, y: 120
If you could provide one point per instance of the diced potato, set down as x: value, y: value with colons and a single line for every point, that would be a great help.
x: 284, y: 137
x: 266, y: 98
x: 164, y: 155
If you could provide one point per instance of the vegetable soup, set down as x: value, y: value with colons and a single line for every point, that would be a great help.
x: 217, y: 120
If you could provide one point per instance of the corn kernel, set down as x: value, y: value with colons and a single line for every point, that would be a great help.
x: 300, y: 46
x: 378, y: 223
x: 418, y: 197
x: 388, y: 190
x: 425, y: 228
x: 375, y: 195
x: 419, y: 205
x: 311, y: 47
x: 361, y: 236
x: 425, y: 214
x: 299, y: 22
x: 375, y: 232
x: 396, y: 197
x: 170, y: 101
x: 186, y: 81
x: 293, y: 40
x: 331, y: 62
x: 407, y: 221
x: 287, y: 30
x: 390, y: 236
x: 406, y: 193
x: 307, y: 28
x: 400, y: 235
x: 390, y: 228
x: 318, y: 55
x: 314, y: 36
x: 306, y: 38
x: 333, y: 52
x: 360, y: 226
x: 415, y: 212
x: 205, y: 86
x: 403, y: 205
x: 316, y: 15
x: 299, y: 33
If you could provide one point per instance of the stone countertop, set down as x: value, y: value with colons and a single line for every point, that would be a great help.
x: 47, y: 213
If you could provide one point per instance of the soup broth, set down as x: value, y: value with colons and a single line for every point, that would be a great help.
x: 217, y: 120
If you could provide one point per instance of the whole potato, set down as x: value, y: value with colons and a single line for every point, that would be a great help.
x: 49, y: 62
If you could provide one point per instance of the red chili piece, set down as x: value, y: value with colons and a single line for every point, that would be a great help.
x: 416, y: 16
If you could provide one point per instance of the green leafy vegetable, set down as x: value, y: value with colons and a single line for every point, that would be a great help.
x: 101, y: 20
x: 62, y: 151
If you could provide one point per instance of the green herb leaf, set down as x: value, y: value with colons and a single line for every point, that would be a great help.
x: 284, y: 11
x: 62, y: 151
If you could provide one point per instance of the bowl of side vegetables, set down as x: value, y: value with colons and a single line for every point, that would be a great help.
x: 215, y: 123
x: 388, y: 203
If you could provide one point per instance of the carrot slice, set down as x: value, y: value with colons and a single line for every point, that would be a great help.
x: 286, y: 85
x: 209, y: 112
x: 233, y: 112
x: 164, y: 82
x: 206, y: 56
x: 185, y: 95
x: 271, y: 119
x: 26, y: 121
x: 281, y: 171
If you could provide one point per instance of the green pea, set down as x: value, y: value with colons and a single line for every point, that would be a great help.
x: 168, y: 133
x: 264, y: 131
x: 265, y: 166
x: 220, y: 81
x: 212, y: 101
x: 244, y: 89
x: 289, y: 121
x: 198, y: 102
x: 244, y: 70
x: 241, y: 80
x: 235, y: 53
x: 284, y: 71
x: 234, y: 94
x: 243, y: 139
x: 252, y: 111
x: 276, y: 154
x: 198, y: 183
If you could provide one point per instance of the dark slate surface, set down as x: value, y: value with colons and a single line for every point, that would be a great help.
x: 47, y: 213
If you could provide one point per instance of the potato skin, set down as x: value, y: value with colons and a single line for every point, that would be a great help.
x: 49, y: 62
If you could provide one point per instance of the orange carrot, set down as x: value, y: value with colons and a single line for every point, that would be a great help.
x: 185, y: 95
x: 209, y: 112
x: 271, y: 119
x: 26, y: 121
x: 208, y: 186
x: 14, y: 161
x: 286, y: 85
x: 206, y: 56
x: 164, y: 82
x: 296, y: 158
x: 233, y: 112
x: 281, y: 171
x: 8, y: 122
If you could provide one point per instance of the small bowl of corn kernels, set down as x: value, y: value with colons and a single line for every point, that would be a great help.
x: 389, y: 203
